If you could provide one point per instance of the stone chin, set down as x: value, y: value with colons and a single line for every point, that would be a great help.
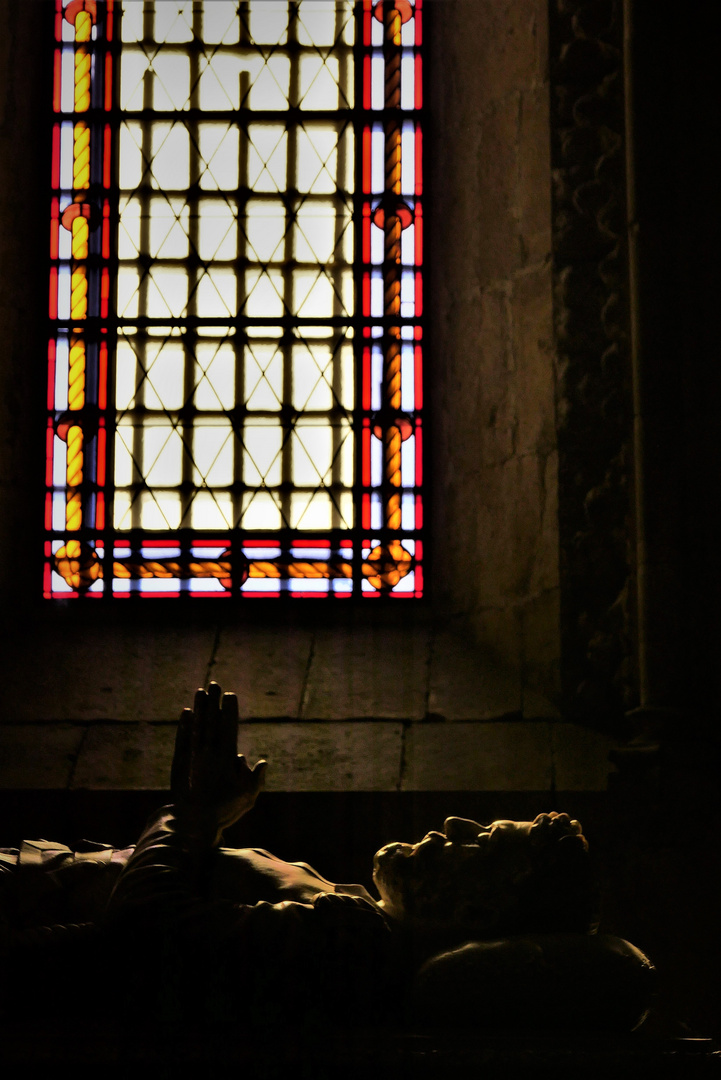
x: 389, y: 853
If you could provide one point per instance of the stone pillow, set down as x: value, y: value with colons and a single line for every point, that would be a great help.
x: 549, y: 982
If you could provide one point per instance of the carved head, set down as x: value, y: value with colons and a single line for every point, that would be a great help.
x: 478, y: 880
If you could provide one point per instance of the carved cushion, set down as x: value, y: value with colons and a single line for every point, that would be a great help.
x: 551, y: 982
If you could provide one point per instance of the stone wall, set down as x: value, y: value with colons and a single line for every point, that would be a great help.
x: 495, y: 555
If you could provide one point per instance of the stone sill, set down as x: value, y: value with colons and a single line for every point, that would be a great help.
x: 374, y: 665
x: 359, y: 703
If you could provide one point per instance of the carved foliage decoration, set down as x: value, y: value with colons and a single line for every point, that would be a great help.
x: 594, y: 397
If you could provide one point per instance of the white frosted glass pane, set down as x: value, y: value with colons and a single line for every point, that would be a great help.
x: 162, y: 455
x: 408, y: 253
x: 171, y: 84
x: 264, y: 292
x: 161, y: 511
x: 315, y: 232
x: 122, y: 511
x: 312, y: 454
x: 317, y: 151
x: 131, y: 158
x: 216, y: 385
x: 260, y: 511
x: 64, y: 292
x: 219, y: 151
x: 408, y: 461
x: 376, y: 245
x: 174, y: 22
x: 408, y: 296
x: 265, y: 229
x: 164, y: 381
x: 310, y: 511
x: 211, y: 511
x: 348, y: 35
x: 310, y: 388
x: 167, y: 293
x: 376, y: 295
x: 347, y: 365
x: 313, y: 294
x: 133, y: 65
x: 220, y: 81
x: 216, y: 293
x: 127, y: 292
x: 406, y: 584
x: 376, y: 461
x: 345, y: 164
x: 66, y: 155
x: 346, y: 509
x: 347, y: 292
x: 346, y: 457
x: 316, y: 23
x: 123, y: 455
x: 408, y: 512
x: 213, y: 454
x: 377, y: 160
x: 263, y: 331
x: 318, y: 83
x: 269, y: 89
x: 214, y: 585
x: 67, y: 80
x: 261, y: 454
x: 125, y: 376
x: 169, y: 223
x: 129, y: 230
x: 157, y: 585
x: 268, y: 22
x: 376, y: 377
x: 263, y: 377
x: 408, y: 84
x: 408, y: 374
x: 267, y: 157
x: 65, y: 241
x: 60, y: 456
x: 408, y: 160
x: 169, y: 165
x: 131, y: 23
x: 306, y: 585
x: 220, y: 22
x: 61, y: 373
x: 377, y: 81
x: 217, y: 231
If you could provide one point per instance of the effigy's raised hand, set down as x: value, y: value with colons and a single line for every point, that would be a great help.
x: 209, y: 779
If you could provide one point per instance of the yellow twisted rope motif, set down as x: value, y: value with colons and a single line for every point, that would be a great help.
x: 171, y: 568
x: 316, y: 569
x: 386, y: 573
x: 79, y: 565
x: 80, y: 228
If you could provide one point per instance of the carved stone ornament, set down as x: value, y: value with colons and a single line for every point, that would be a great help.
x: 594, y: 395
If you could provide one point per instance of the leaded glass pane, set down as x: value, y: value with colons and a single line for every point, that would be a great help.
x: 235, y: 396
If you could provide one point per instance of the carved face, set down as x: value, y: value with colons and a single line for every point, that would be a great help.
x: 470, y: 874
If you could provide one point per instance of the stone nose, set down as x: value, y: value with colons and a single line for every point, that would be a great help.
x: 462, y: 829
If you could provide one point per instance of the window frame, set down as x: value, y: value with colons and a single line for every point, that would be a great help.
x: 377, y: 560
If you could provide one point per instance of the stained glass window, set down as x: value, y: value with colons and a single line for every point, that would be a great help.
x: 235, y: 395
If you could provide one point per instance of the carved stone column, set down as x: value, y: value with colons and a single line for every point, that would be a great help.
x: 594, y: 378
